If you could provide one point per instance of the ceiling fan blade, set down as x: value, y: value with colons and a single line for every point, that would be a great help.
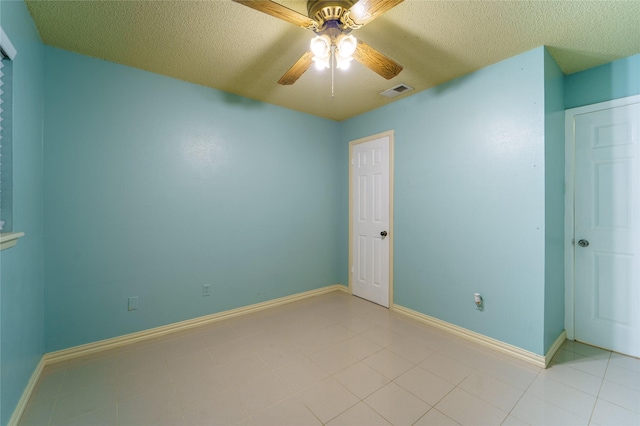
x: 297, y: 70
x: 376, y: 61
x: 365, y: 11
x: 279, y: 11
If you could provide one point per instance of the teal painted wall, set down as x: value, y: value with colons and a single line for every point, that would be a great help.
x: 614, y: 80
x: 154, y: 187
x: 21, y: 282
x: 470, y: 199
x: 554, y: 201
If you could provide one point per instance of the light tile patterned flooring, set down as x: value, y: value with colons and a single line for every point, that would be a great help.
x: 336, y: 360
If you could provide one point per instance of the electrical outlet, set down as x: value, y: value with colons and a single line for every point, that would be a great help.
x: 205, y: 290
x: 133, y: 303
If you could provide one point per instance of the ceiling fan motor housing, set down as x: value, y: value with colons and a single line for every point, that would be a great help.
x: 330, y: 11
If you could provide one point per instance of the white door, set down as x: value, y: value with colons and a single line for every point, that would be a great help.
x: 607, y: 228
x: 370, y: 220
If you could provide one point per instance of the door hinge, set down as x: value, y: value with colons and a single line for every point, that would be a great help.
x: 353, y: 162
x: 352, y: 270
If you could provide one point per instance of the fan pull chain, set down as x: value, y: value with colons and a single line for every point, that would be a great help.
x: 333, y: 56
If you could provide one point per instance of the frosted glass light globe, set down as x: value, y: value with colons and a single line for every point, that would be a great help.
x: 347, y: 46
x: 320, y: 46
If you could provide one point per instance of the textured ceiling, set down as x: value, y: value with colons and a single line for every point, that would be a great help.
x: 231, y: 47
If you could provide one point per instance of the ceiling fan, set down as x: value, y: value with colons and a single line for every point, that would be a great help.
x: 333, y: 46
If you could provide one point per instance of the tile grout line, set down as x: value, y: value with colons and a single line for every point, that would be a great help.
x: 593, y: 410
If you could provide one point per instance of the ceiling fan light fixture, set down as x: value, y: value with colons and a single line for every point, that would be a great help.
x: 346, y: 45
x: 321, y: 46
x: 333, y: 47
x: 321, y: 63
x: 343, y: 63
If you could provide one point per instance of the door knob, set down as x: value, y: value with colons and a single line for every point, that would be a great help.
x: 383, y: 234
x: 583, y: 243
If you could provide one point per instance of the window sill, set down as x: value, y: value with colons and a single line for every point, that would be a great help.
x: 9, y: 239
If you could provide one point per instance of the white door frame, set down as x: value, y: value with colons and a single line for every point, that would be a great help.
x: 569, y: 224
x: 388, y: 133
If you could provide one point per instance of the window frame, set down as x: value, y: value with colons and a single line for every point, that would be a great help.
x: 8, y: 51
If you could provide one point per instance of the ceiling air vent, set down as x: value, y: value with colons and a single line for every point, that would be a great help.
x: 396, y: 91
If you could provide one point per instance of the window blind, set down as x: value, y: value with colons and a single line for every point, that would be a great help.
x: 2, y: 221
x: 6, y: 169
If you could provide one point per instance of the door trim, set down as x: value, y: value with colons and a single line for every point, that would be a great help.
x: 569, y: 200
x: 388, y: 133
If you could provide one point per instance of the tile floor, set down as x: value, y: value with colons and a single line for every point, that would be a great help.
x: 336, y: 360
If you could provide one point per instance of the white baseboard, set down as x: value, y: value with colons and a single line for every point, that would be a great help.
x: 127, y: 339
x: 28, y: 391
x: 554, y: 348
x: 505, y: 348
x: 343, y: 288
x: 90, y: 348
